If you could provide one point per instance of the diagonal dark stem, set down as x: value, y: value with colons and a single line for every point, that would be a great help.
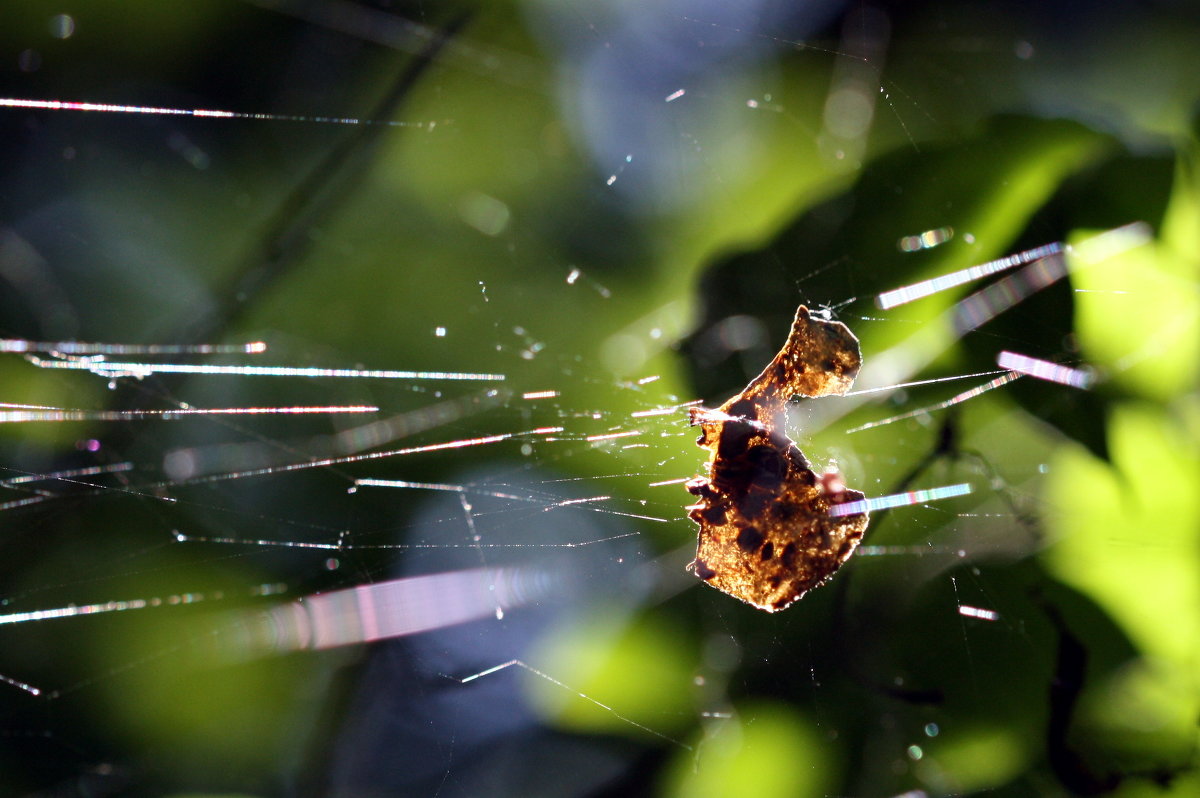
x: 286, y: 239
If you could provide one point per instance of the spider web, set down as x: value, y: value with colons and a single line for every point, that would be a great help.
x: 495, y: 256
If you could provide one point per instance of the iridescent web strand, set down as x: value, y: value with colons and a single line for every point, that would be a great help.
x: 324, y: 462
x: 910, y: 293
x: 74, y: 473
x: 900, y: 499
x: 900, y: 385
x: 978, y: 612
x: 210, y: 113
x: 129, y: 369
x: 1003, y: 379
x: 69, y: 414
x: 1045, y: 370
x: 91, y: 348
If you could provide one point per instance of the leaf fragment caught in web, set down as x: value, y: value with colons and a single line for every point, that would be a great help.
x: 767, y: 535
